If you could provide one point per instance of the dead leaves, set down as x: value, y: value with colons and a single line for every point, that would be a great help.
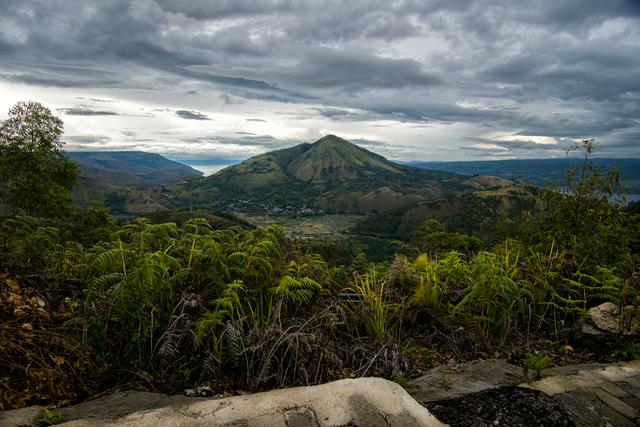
x: 39, y: 362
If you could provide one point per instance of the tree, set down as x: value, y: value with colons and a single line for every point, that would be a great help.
x: 434, y: 239
x: 582, y: 215
x: 35, y: 176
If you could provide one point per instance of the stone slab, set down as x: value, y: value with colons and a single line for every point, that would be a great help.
x: 616, y: 404
x: 586, y: 410
x: 449, y: 381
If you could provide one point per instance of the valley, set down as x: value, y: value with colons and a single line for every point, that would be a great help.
x: 320, y: 226
x: 355, y: 264
x: 334, y: 190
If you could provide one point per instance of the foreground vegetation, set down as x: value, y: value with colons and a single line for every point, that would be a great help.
x: 87, y: 304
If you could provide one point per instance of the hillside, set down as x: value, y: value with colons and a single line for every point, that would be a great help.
x: 126, y: 181
x: 488, y: 213
x: 331, y: 174
x: 150, y: 169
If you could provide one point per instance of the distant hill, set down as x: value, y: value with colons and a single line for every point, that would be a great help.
x: 150, y: 169
x: 331, y: 174
x: 488, y: 213
x: 127, y: 181
x: 537, y: 171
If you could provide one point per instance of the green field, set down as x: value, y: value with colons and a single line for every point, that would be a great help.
x: 326, y: 227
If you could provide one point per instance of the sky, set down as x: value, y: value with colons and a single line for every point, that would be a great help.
x: 411, y: 80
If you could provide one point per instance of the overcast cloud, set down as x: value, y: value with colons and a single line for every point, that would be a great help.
x: 412, y: 80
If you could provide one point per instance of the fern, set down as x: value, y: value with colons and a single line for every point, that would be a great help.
x: 298, y: 290
x: 437, y: 278
x: 230, y: 302
x: 234, y: 335
x: 494, y: 300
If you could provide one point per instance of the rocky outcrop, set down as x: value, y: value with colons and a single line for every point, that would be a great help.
x: 607, y: 318
x: 360, y: 402
x: 449, y: 381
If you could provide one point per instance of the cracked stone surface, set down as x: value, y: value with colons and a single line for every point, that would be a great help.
x: 597, y: 396
x: 450, y: 381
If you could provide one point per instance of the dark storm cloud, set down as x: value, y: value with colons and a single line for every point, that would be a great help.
x: 340, y: 114
x: 549, y: 68
x: 322, y: 71
x: 96, y: 99
x: 191, y: 115
x: 39, y: 80
x: 521, y: 145
x: 87, y: 139
x: 563, y: 125
x: 562, y: 14
x: 495, y: 148
x: 625, y: 141
x: 228, y: 100
x: 200, y: 9
x: 84, y: 111
x: 571, y: 73
x: 246, y: 140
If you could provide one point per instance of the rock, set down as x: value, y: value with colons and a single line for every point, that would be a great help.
x: 504, y: 406
x: 198, y: 392
x: 360, y: 402
x: 586, y: 410
x: 586, y: 376
x: 446, y: 382
x: 301, y: 417
x: 596, y: 395
x: 606, y: 319
x: 22, y: 417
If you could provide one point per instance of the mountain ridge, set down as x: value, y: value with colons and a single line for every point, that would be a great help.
x: 151, y: 166
x: 330, y: 174
x: 537, y: 171
x: 127, y: 181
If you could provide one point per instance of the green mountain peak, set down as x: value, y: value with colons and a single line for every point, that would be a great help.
x: 332, y: 139
x: 333, y: 159
x: 331, y: 173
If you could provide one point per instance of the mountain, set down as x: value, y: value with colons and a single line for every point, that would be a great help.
x: 331, y: 174
x: 538, y: 171
x: 135, y: 168
x: 126, y: 181
x: 330, y: 160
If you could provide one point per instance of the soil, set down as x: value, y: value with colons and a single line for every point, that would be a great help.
x: 504, y: 406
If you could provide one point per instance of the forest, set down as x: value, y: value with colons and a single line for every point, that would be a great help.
x: 88, y: 303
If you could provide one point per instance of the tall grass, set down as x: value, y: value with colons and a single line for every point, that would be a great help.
x: 371, y: 307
